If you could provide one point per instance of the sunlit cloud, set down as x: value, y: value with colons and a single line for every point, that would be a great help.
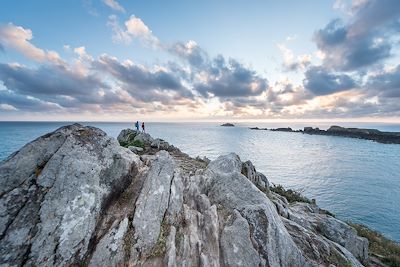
x: 346, y: 75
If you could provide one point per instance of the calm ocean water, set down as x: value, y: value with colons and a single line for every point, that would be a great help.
x: 358, y: 180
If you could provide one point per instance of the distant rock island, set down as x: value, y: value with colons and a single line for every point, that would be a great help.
x: 228, y: 124
x: 368, y: 134
x: 77, y: 197
x: 256, y: 128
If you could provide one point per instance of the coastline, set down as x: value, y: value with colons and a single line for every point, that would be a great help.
x: 359, y: 133
x: 153, y: 152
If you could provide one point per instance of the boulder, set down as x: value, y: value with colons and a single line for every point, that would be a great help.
x: 160, y: 144
x: 227, y: 187
x: 258, y: 179
x: 135, y: 149
x: 144, y: 138
x: 127, y: 136
x: 309, y: 217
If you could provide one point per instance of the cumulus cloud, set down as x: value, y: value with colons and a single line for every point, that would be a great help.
x: 230, y: 79
x: 292, y: 63
x: 191, y: 52
x: 16, y: 101
x: 114, y: 5
x: 218, y: 77
x: 321, y: 82
x: 54, y: 87
x: 195, y: 83
x: 134, y: 28
x: 7, y: 107
x: 18, y: 38
x: 386, y: 84
x: 143, y: 83
x: 367, y: 39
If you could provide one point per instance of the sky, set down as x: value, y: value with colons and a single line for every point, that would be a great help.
x: 123, y: 60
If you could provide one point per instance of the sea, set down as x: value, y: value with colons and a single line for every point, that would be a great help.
x: 357, y: 180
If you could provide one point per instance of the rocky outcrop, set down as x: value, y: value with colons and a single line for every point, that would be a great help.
x: 53, y: 192
x: 127, y: 136
x: 76, y: 197
x: 367, y: 134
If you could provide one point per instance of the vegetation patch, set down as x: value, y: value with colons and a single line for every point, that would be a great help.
x: 38, y: 170
x: 136, y: 143
x: 85, y: 133
x: 161, y: 245
x: 385, y: 249
x: 327, y: 212
x: 337, y: 259
x: 289, y: 194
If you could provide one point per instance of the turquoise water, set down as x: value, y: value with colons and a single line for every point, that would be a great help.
x: 358, y: 180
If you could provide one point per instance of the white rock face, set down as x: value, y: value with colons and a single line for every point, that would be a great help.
x: 110, y: 250
x: 63, y: 179
x: 76, y: 197
x: 152, y: 204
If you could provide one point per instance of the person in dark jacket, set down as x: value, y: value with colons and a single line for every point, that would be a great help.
x: 143, y: 127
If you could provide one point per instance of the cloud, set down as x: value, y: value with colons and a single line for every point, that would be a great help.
x: 134, y: 28
x: 114, y: 5
x: 229, y: 79
x: 190, y: 52
x: 142, y: 83
x: 367, y: 39
x: 13, y: 101
x: 88, y: 5
x: 386, y: 84
x: 218, y: 77
x: 290, y: 62
x: 62, y: 88
x: 40, y: 82
x: 7, y: 107
x: 193, y: 83
x: 321, y: 82
x: 17, y: 37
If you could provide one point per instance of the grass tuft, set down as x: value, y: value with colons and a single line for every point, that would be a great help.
x: 289, y: 194
x: 136, y: 143
x: 385, y: 249
x: 161, y: 245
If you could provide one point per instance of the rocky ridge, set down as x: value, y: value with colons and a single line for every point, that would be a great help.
x: 76, y: 197
x: 360, y: 133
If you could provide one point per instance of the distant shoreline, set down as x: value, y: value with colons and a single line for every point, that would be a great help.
x: 359, y: 133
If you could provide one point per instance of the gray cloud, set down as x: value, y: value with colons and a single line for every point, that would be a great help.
x: 321, y: 82
x: 219, y: 77
x: 144, y: 84
x: 48, y: 80
x: 25, y: 103
x: 57, y: 85
x: 386, y: 84
x: 366, y: 40
x: 231, y: 79
x: 190, y: 52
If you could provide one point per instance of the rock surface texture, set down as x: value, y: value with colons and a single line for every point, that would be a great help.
x: 76, y: 197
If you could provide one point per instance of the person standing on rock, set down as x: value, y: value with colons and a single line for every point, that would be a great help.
x: 143, y: 127
x: 137, y: 125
